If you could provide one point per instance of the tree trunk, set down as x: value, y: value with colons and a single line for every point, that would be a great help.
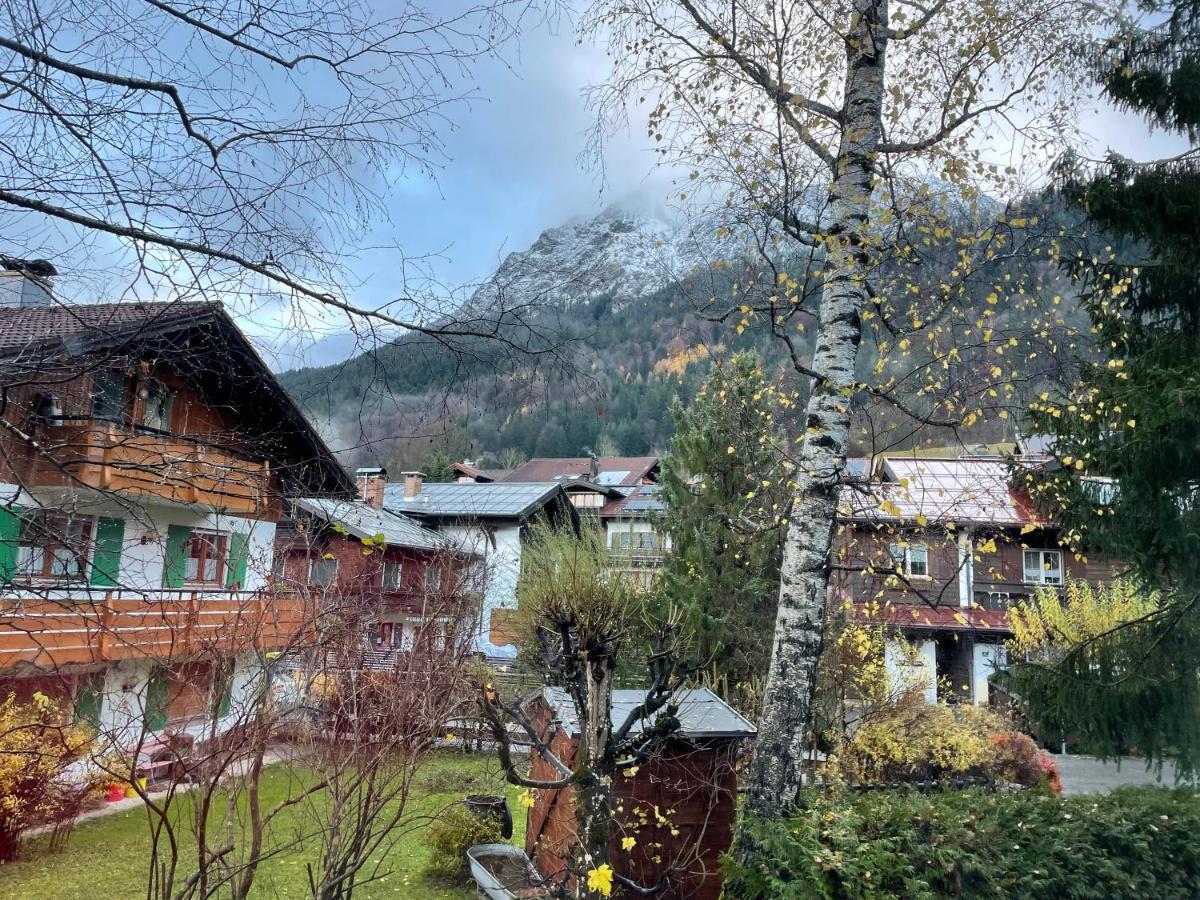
x: 593, y: 793
x: 775, y: 775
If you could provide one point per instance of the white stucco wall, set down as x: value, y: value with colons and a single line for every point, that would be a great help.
x: 912, y: 663
x: 500, y: 548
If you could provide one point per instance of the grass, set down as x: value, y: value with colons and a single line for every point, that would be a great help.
x: 106, y: 858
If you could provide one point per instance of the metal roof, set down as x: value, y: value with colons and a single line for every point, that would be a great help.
x: 701, y: 713
x: 640, y: 501
x: 470, y: 500
x: 365, y: 521
x: 965, y: 489
x: 610, y: 470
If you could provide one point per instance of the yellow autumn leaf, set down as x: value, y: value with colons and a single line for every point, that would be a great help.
x: 601, y: 879
x: 527, y: 799
x: 628, y: 843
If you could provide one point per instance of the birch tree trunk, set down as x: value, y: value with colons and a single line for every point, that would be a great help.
x: 775, y: 775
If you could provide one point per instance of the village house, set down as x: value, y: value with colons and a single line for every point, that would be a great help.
x: 145, y: 453
x: 491, y: 522
x: 393, y: 574
x: 938, y: 550
x: 618, y: 493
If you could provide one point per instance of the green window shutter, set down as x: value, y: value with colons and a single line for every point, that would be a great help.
x: 106, y: 559
x: 157, y: 693
x: 224, y: 695
x: 239, y: 555
x: 89, y: 700
x: 175, y: 566
x: 10, y: 537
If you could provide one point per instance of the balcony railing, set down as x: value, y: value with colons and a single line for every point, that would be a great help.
x: 52, y: 629
x: 637, y: 558
x: 111, y: 456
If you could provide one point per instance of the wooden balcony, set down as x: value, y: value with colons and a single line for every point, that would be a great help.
x: 50, y: 631
x: 113, y: 457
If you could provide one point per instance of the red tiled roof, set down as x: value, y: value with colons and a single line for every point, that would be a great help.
x: 631, y: 469
x: 24, y: 327
x: 919, y: 617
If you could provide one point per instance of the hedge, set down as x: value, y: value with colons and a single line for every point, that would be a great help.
x: 1134, y: 842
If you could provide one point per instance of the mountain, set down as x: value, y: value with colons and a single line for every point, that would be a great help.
x: 626, y: 253
x: 619, y: 292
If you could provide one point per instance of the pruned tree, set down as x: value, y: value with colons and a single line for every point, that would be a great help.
x: 580, y: 617
x: 849, y: 144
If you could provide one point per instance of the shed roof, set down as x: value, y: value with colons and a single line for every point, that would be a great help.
x: 921, y: 617
x: 470, y: 500
x: 701, y: 712
x: 611, y: 470
x: 964, y: 489
x: 364, y: 521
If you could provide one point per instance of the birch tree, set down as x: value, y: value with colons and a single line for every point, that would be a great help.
x: 852, y: 142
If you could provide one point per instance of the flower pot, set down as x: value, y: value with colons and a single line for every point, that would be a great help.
x: 115, y: 792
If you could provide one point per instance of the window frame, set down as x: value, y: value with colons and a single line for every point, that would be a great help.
x: 1041, y: 580
x: 392, y: 565
x: 155, y: 386
x: 206, y: 538
x: 120, y: 401
x: 60, y: 540
x: 314, y: 562
x: 904, y: 559
x: 432, y: 578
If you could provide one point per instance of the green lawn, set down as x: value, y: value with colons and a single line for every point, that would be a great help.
x: 105, y: 858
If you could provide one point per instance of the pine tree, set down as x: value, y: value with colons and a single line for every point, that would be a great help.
x: 1127, y: 483
x: 722, y: 485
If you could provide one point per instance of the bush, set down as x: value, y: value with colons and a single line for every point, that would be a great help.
x: 453, y: 833
x: 1026, y: 844
x: 906, y: 739
x: 37, y: 748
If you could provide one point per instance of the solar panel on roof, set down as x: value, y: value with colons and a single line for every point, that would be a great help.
x: 612, y: 477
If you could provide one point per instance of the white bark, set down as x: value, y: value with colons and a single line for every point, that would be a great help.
x: 775, y: 777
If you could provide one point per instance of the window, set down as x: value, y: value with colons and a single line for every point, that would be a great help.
x: 322, y: 572
x: 1043, y: 567
x: 53, y: 545
x: 279, y: 567
x: 587, y: 500
x: 433, y: 579
x: 157, y: 414
x: 205, y: 558
x: 911, y: 559
x: 391, y: 575
x: 108, y: 395
x: 634, y: 540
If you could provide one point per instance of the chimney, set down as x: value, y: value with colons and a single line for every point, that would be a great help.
x: 412, y: 484
x: 370, y: 481
x: 593, y: 467
x: 25, y: 283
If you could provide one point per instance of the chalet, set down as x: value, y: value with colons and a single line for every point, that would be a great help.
x: 678, y: 807
x: 392, y: 573
x: 490, y: 521
x: 938, y: 550
x: 145, y: 451
x: 618, y: 493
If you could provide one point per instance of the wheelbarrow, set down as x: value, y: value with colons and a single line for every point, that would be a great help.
x: 504, y: 872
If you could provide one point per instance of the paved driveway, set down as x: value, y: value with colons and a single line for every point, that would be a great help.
x: 1087, y: 775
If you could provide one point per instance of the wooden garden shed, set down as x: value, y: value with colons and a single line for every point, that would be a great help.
x: 678, y: 808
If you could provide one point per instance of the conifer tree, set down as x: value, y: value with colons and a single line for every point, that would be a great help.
x: 723, y: 569
x: 1127, y: 441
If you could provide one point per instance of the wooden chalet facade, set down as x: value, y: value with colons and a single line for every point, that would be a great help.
x: 392, y: 575
x: 145, y: 452
x: 938, y: 550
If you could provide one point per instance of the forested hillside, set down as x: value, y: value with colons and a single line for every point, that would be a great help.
x: 633, y: 349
